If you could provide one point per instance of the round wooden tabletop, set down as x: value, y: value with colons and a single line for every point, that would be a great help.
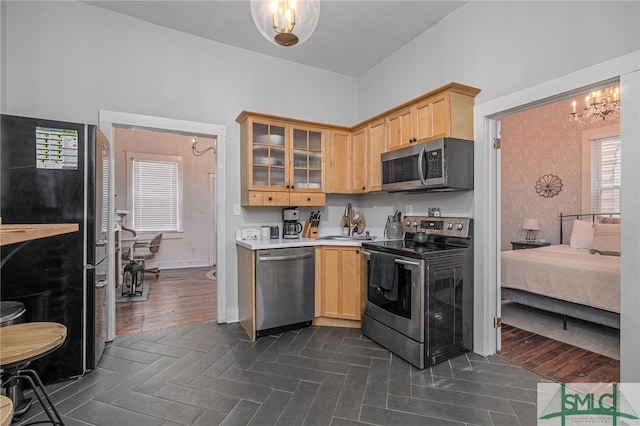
x: 29, y: 341
x: 6, y: 411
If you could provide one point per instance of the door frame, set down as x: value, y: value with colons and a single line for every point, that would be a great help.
x: 110, y: 119
x: 487, y: 207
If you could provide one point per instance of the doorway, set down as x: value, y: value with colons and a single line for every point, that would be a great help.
x: 179, y: 136
x: 544, y: 143
x: 487, y: 203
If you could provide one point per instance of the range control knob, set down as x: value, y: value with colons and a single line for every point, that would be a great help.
x: 450, y: 226
x: 415, y: 223
x: 460, y: 227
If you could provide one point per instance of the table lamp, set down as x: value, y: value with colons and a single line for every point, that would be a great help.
x: 531, y: 226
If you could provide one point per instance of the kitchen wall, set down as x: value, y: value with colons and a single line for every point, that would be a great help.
x: 501, y: 47
x: 538, y: 142
x: 126, y: 65
x: 178, y: 249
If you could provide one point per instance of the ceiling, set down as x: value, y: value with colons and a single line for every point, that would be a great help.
x: 352, y: 36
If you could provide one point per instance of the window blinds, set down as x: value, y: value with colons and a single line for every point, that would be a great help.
x: 155, y: 195
x: 605, y: 174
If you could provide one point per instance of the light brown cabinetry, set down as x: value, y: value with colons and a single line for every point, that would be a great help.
x: 338, y: 282
x: 282, y: 162
x: 355, y: 165
x: 340, y: 163
x: 376, y: 145
x: 347, y: 170
x: 287, y: 162
x: 447, y: 112
x: 401, y: 128
x: 359, y: 153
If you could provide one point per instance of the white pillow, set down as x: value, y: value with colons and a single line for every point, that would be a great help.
x: 581, y: 234
x: 606, y: 240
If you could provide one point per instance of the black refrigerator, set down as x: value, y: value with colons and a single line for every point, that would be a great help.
x: 49, y: 175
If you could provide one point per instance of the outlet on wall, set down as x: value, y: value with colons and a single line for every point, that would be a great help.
x: 236, y: 209
x: 408, y: 209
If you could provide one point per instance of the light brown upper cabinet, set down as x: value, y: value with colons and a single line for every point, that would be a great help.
x: 359, y: 154
x: 347, y: 162
x: 352, y: 159
x: 401, y: 128
x: 339, y: 169
x: 445, y: 112
x: 376, y: 145
x: 289, y: 162
x: 282, y: 162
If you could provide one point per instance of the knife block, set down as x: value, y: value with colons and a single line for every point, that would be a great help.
x: 309, y: 231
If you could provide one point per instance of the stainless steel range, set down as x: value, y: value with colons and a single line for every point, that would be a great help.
x: 420, y: 290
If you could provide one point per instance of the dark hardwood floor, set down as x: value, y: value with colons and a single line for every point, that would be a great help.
x: 177, y: 297
x: 556, y: 360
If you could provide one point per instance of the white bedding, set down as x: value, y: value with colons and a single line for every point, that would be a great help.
x: 565, y: 273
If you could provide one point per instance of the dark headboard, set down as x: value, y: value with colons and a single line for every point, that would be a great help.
x: 592, y: 216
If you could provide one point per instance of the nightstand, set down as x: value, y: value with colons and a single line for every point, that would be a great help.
x: 519, y: 245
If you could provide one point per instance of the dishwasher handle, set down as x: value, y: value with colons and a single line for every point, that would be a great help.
x: 290, y: 257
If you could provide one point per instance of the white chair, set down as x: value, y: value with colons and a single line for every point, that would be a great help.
x: 141, y: 251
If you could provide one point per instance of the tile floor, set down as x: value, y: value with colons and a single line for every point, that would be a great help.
x: 209, y: 374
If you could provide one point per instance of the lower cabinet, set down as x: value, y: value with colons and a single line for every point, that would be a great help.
x: 338, y: 283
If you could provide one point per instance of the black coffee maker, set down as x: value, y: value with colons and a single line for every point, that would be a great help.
x: 291, y: 228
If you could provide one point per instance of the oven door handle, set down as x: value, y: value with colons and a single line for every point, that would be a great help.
x: 406, y: 262
x: 366, y: 254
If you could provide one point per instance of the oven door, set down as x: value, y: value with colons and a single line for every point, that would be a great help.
x: 402, y: 307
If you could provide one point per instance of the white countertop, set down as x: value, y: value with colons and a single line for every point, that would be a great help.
x: 259, y: 244
x: 297, y: 242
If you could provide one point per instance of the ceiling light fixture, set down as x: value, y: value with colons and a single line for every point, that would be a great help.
x: 286, y: 22
x: 601, y: 104
x: 195, y: 151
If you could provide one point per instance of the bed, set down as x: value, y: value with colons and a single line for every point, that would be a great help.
x: 578, y: 280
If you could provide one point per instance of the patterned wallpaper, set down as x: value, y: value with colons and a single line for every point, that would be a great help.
x: 538, y: 142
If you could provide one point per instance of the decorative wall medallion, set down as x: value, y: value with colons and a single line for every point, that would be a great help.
x: 548, y: 185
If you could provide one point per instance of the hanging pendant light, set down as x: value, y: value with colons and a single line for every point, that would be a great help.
x: 286, y: 22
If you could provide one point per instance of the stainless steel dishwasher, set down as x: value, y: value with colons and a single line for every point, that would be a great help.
x: 285, y: 289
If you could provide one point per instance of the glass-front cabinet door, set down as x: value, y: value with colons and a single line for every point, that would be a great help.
x: 307, y: 159
x: 269, y: 159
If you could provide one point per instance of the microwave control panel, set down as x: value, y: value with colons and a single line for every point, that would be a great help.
x: 449, y: 226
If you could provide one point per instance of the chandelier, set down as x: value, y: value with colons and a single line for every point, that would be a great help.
x: 603, y: 104
x: 286, y: 22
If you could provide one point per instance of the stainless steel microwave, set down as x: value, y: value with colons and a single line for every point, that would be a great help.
x: 444, y: 164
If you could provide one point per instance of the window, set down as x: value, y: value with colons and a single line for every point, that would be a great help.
x: 156, y: 192
x: 601, y: 170
x: 105, y: 193
x: 605, y: 174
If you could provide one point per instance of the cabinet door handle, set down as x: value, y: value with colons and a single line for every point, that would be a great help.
x: 270, y: 199
x: 309, y: 199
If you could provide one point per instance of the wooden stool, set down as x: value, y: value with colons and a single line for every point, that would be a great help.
x: 22, y: 343
x: 6, y: 410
